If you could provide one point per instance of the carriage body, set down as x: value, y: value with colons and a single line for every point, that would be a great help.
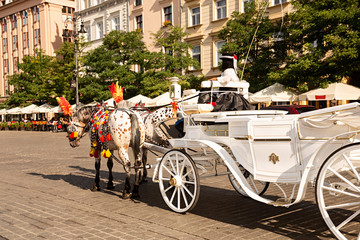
x: 271, y: 145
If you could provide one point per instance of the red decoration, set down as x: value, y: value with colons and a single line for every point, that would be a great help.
x: 59, y: 126
x: 65, y: 106
x: 175, y: 106
x: 108, y: 137
x: 213, y: 103
x: 102, y: 139
x: 100, y: 132
x: 116, y: 92
x: 320, y: 97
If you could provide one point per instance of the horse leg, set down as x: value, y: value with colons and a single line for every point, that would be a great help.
x: 110, y: 164
x: 96, y: 186
x: 124, y: 156
x: 144, y: 162
x: 137, y: 165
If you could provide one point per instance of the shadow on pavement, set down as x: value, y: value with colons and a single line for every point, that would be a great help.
x: 301, y: 221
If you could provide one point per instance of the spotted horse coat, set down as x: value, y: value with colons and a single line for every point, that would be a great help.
x: 110, y: 131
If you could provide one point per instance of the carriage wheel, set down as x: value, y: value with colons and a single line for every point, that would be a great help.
x: 258, y: 187
x: 179, y: 181
x: 338, y: 192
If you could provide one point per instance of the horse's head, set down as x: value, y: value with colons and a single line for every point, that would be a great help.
x: 79, y: 125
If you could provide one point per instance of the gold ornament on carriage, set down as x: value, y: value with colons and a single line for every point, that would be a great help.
x: 274, y: 158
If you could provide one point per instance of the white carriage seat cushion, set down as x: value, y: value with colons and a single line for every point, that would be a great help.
x: 197, y: 108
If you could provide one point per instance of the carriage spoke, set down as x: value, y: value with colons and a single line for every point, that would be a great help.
x: 342, y: 205
x: 164, y: 179
x: 253, y: 184
x: 348, y: 220
x: 172, y: 165
x: 172, y: 174
x: 184, y: 181
x: 168, y: 188
x: 177, y: 164
x: 178, y: 198
x: 339, y: 191
x: 188, y: 191
x: 352, y: 166
x: 344, y: 179
x: 184, y: 197
x: 173, y: 195
x: 182, y: 167
x: 187, y: 174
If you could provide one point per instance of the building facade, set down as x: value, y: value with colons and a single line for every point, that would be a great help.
x: 101, y: 17
x: 203, y: 19
x: 27, y: 25
x: 151, y: 15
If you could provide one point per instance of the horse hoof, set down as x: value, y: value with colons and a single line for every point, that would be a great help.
x: 110, y: 187
x: 126, y: 195
x: 135, y: 195
x: 95, y: 188
x: 144, y: 180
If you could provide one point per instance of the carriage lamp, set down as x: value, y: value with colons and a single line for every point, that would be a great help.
x: 175, y: 89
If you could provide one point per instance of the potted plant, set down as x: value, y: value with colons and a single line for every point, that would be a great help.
x: 4, y: 126
x: 21, y: 126
x: 167, y: 23
x: 14, y: 125
x: 28, y: 126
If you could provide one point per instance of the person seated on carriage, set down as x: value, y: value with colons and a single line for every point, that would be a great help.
x: 226, y: 98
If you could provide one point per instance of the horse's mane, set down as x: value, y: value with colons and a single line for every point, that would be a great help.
x: 84, y: 113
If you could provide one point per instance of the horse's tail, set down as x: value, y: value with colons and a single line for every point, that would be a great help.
x: 135, y: 139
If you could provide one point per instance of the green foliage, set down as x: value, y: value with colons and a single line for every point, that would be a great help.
x: 264, y: 55
x: 323, y: 44
x: 34, y: 80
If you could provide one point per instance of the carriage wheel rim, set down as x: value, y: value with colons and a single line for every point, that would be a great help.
x: 324, y: 189
x: 174, y: 162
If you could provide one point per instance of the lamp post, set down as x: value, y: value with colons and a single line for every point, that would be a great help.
x: 76, y: 38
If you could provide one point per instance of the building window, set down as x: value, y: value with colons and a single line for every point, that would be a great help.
x: 138, y: 2
x: 220, y: 9
x: 25, y: 39
x: 3, y: 24
x: 24, y: 18
x: 13, y: 21
x: 88, y: 33
x: 36, y: 14
x: 168, y: 14
x: 5, y: 45
x: 276, y: 2
x: 246, y: 2
x: 196, y: 54
x: 116, y: 23
x: 6, y: 65
x: 100, y: 30
x: 195, y: 16
x: 139, y: 22
x: 218, y: 45
x: 37, y: 36
x: 15, y: 42
x: 16, y: 64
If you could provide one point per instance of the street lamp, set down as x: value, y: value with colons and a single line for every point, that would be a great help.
x: 76, y: 36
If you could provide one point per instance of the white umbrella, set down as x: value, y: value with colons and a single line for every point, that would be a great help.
x: 273, y: 93
x: 29, y: 109
x: 16, y: 110
x: 3, y: 111
x: 335, y: 91
x: 139, y: 98
x: 45, y: 108
x: 163, y: 99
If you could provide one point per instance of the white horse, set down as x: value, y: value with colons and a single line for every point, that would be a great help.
x: 113, y: 130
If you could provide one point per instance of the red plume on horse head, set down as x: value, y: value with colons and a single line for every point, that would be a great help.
x: 65, y: 106
x: 116, y: 92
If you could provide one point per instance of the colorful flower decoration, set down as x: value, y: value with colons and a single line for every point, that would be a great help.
x: 65, y: 106
x: 116, y: 92
x: 175, y: 107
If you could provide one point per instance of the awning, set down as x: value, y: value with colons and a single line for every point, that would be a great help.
x: 335, y: 91
x: 273, y: 93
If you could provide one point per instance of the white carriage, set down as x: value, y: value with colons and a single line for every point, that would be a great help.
x: 259, y: 147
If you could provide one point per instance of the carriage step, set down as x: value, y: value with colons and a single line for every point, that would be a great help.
x: 280, y: 202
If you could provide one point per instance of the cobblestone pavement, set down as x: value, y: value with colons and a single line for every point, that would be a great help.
x: 44, y: 194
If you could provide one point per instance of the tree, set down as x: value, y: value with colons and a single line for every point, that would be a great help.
x: 34, y: 80
x: 323, y: 44
x: 248, y: 35
x: 113, y: 61
x: 172, y: 60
